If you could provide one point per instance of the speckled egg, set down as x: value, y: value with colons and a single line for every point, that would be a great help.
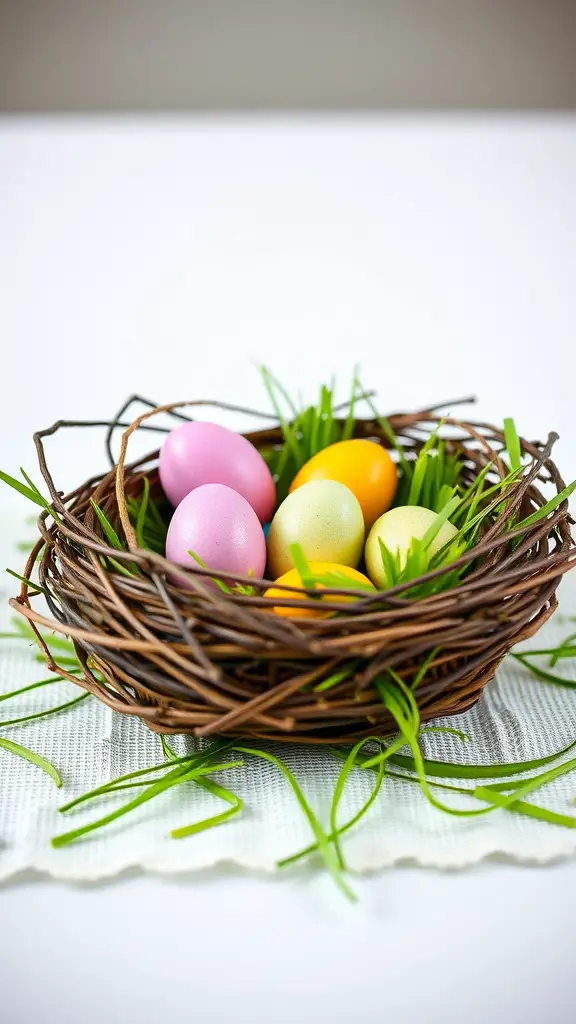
x: 397, y: 529
x: 197, y: 453
x: 363, y: 466
x: 311, y: 609
x: 221, y: 528
x: 325, y: 518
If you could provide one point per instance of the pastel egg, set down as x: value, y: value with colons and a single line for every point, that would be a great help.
x: 198, y: 453
x: 311, y: 609
x: 221, y: 528
x: 325, y: 519
x: 397, y: 529
x: 363, y: 466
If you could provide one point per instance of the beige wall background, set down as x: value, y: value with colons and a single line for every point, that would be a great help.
x: 138, y: 55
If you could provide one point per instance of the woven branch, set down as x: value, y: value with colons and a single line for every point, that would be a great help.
x: 201, y: 661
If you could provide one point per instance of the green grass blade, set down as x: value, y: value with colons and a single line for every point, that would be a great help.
x: 563, y: 650
x: 187, y: 760
x: 337, y: 677
x: 64, y: 660
x: 527, y: 786
x: 446, y: 730
x: 30, y: 686
x: 543, y: 674
x: 549, y: 507
x: 557, y: 652
x: 443, y: 496
x: 17, y: 485
x: 44, y: 714
x: 441, y: 518
x: 518, y: 807
x: 167, y: 750
x: 338, y: 581
x: 473, y: 493
x: 31, y: 483
x: 219, y: 583
x: 324, y: 845
x: 313, y: 848
x: 417, y: 482
x: 304, y: 425
x: 512, y: 444
x: 302, y: 566
x: 430, y: 482
x: 33, y: 758
x: 455, y: 770
x: 142, y: 511
x: 533, y: 811
x: 173, y: 777
x: 386, y: 430
x: 390, y: 564
x: 236, y: 805
x: 272, y: 381
x: 117, y: 565
x: 337, y: 796
x: 424, y: 668
x: 287, y: 430
x: 25, y: 632
x: 107, y: 528
x: 326, y: 416
x: 350, y: 421
x: 155, y: 515
x: 31, y: 492
x: 409, y: 730
x: 25, y: 547
x: 315, y: 429
x: 36, y: 587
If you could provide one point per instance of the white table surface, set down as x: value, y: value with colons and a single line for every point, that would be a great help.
x: 167, y: 257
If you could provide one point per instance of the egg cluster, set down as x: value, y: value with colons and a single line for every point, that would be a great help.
x: 338, y: 511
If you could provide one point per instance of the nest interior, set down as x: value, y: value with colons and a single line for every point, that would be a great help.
x: 193, y: 659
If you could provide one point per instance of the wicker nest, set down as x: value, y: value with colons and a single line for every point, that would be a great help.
x: 201, y: 661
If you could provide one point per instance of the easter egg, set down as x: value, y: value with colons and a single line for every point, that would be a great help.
x: 397, y: 529
x: 363, y: 466
x: 205, y: 453
x: 311, y: 609
x: 221, y: 528
x: 325, y: 519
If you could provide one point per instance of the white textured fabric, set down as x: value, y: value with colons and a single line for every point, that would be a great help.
x: 517, y: 719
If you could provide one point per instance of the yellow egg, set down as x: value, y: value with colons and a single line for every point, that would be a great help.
x: 311, y: 609
x: 325, y: 519
x: 397, y: 529
x: 363, y: 466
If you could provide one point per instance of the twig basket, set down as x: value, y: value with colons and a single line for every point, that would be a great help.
x: 193, y: 659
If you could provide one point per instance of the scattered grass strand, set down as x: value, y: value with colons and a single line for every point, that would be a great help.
x: 34, y: 758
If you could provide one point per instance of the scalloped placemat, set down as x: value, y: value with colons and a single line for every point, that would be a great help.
x: 517, y: 719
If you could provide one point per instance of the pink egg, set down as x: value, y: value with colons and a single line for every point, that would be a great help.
x: 205, y: 453
x: 219, y: 526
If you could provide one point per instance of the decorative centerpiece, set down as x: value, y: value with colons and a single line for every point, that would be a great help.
x: 308, y: 581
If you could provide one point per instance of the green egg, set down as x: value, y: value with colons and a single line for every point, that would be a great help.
x: 397, y: 529
x: 325, y: 519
